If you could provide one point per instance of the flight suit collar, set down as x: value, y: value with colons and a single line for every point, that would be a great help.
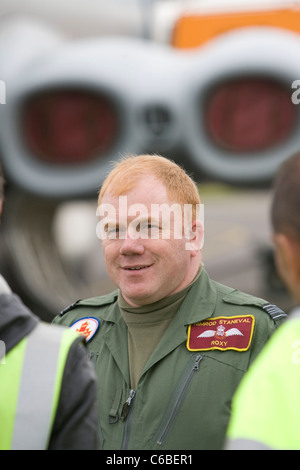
x: 198, y: 305
x: 200, y: 302
x: 201, y: 293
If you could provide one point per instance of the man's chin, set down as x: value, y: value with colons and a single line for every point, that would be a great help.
x: 139, y: 299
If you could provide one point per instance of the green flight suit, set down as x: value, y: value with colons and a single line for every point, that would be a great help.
x: 183, y: 397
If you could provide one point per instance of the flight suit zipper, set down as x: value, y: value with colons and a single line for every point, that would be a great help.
x: 177, y: 398
x: 126, y: 416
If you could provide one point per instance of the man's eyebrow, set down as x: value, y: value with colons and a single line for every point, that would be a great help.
x: 148, y: 218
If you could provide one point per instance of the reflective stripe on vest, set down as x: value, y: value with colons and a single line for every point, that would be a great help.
x: 30, y: 386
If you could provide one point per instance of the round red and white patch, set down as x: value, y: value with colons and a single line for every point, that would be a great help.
x: 86, y: 326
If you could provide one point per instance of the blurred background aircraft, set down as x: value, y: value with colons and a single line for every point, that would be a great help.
x: 208, y: 83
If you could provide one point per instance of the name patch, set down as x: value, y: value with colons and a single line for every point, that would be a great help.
x: 221, y: 333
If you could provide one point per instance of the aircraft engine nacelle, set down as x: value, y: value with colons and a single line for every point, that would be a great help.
x: 74, y: 110
x: 224, y: 109
x: 22, y: 39
x: 241, y: 121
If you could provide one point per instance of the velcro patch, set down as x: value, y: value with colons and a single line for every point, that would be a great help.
x: 221, y: 333
x: 86, y: 326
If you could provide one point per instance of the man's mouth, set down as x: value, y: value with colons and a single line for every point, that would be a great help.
x: 135, y: 268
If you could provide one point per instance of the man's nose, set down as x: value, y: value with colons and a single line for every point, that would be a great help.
x: 132, y: 246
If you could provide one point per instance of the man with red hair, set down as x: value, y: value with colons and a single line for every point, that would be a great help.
x: 170, y: 345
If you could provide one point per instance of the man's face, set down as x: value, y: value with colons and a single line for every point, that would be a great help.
x: 144, y: 257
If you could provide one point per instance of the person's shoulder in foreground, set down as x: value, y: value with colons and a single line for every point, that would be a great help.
x: 75, y: 424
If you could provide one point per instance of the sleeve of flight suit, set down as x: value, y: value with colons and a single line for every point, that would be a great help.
x: 76, y: 422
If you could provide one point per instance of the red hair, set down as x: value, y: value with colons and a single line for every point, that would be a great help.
x: 130, y: 169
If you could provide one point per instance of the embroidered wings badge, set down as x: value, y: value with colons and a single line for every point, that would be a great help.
x: 221, y: 333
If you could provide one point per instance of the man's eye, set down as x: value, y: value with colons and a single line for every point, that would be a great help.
x: 153, y: 227
x: 143, y: 227
x: 152, y: 230
x: 112, y: 232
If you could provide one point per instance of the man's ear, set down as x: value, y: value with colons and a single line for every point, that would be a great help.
x: 287, y: 259
x: 196, y: 237
x: 283, y: 252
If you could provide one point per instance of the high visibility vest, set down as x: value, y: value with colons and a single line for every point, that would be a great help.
x: 265, y: 409
x: 30, y: 382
